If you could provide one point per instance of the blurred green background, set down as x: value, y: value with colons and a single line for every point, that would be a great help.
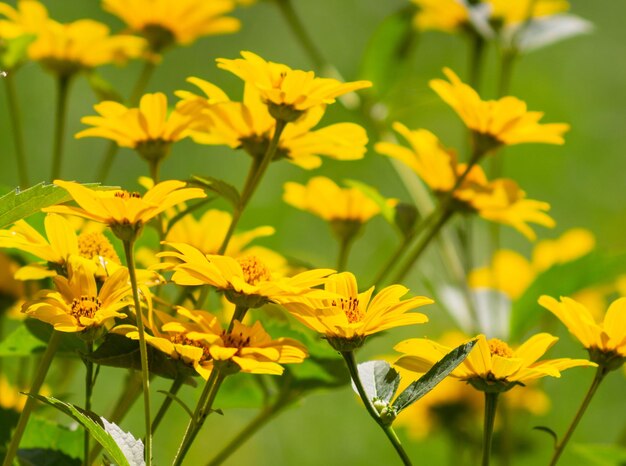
x: 579, y: 81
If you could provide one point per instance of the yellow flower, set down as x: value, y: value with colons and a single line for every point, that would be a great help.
x: 13, y: 397
x: 163, y: 22
x: 148, y: 129
x: 322, y: 197
x: 492, y: 365
x: 28, y: 19
x: 347, y: 319
x: 287, y: 92
x: 201, y: 342
x: 606, y: 341
x: 77, y: 305
x: 512, y: 12
x: 62, y: 243
x: 250, y: 126
x: 504, y: 121
x: 246, y: 281
x: 443, y: 15
x: 123, y: 209
x: 83, y: 44
x: 570, y: 246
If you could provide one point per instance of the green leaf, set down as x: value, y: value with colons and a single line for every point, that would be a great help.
x: 430, y: 379
x: 20, y: 342
x: 386, y: 210
x: 70, y: 342
x: 548, y: 431
x: 563, y: 280
x: 405, y: 217
x: 219, y: 187
x: 388, y: 49
x: 601, y: 455
x: 8, y: 420
x: 14, y: 52
x: 45, y: 457
x: 379, y: 379
x: 120, y: 446
x: 47, y: 434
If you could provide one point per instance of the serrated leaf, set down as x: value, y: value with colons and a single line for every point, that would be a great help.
x: 601, y: 455
x: 548, y: 431
x: 380, y: 380
x: 219, y: 187
x: 563, y: 280
x: 45, y: 457
x: 388, y: 49
x: 96, y: 427
x: 430, y: 379
x: 130, y: 446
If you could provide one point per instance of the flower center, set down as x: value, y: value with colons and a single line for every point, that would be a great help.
x: 85, y: 306
x: 500, y: 348
x: 254, y: 271
x: 127, y: 195
x: 350, y: 308
x: 95, y: 244
x: 181, y: 339
x: 235, y: 340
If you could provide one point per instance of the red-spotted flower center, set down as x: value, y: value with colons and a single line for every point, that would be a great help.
x: 350, y: 307
x: 235, y: 340
x: 254, y: 271
x: 125, y: 195
x: 85, y: 306
x: 181, y: 339
x: 500, y: 348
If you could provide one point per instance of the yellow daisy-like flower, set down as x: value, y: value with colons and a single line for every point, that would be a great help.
x: 121, y: 209
x: 28, y: 19
x: 62, y: 244
x: 322, y: 197
x: 512, y: 12
x: 164, y: 22
x: 492, y: 365
x: 287, y: 92
x: 250, y: 126
x: 505, y: 121
x: 84, y: 44
x: 574, y: 243
x: 606, y: 341
x: 246, y: 281
x: 201, y: 342
x: 443, y: 15
x: 148, y: 128
x: 347, y: 319
x: 77, y: 305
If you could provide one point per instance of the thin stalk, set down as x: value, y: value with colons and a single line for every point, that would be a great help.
x: 344, y: 252
x: 155, y: 171
x: 89, y: 381
x: 476, y: 60
x: 491, y: 402
x: 260, y: 420
x: 145, y: 377
x: 239, y: 314
x: 167, y: 402
x: 599, y: 376
x: 298, y: 29
x: 203, y: 409
x: 18, y: 132
x: 257, y: 170
x: 63, y: 84
x: 348, y: 356
x: 107, y: 162
x: 40, y: 376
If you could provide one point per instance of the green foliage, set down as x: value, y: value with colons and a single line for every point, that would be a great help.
x: 379, y: 379
x: 45, y: 457
x: 219, y: 187
x: 14, y: 52
x: 49, y: 435
x: 601, y: 455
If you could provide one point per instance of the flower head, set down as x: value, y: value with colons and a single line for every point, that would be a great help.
x: 27, y: 19
x: 164, y: 22
x: 443, y: 15
x: 492, y: 365
x: 519, y: 11
x: 120, y: 209
x: 77, y: 305
x: 505, y: 121
x: 287, y: 92
x: 605, y: 341
x: 349, y: 317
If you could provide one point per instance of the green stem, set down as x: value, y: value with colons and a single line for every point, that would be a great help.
x: 348, y: 356
x: 155, y: 171
x: 491, y: 402
x: 239, y: 314
x: 145, y: 377
x: 40, y: 376
x: 88, y: 393
x: 477, y: 55
x: 344, y: 252
x: 298, y: 29
x: 599, y: 376
x: 18, y: 133
x: 203, y: 409
x: 107, y: 162
x: 260, y: 420
x: 393, y: 260
x: 257, y: 170
x: 63, y: 84
x: 167, y: 402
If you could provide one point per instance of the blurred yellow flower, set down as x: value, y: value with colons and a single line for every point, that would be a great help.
x: 164, y: 22
x: 512, y: 12
x: 77, y: 305
x: 504, y: 121
x: 349, y: 317
x: 287, y: 92
x: 28, y: 19
x: 84, y: 44
x: 571, y: 245
x: 123, y: 209
x: 249, y: 125
x: 443, y: 15
x: 606, y: 341
x: 246, y: 281
x: 492, y: 365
